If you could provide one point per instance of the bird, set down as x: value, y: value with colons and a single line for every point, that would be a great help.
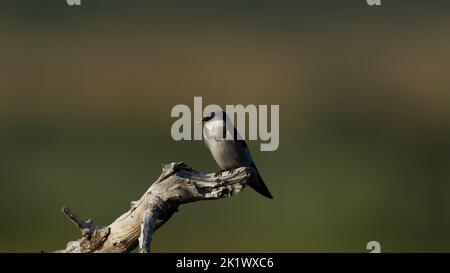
x: 228, y: 150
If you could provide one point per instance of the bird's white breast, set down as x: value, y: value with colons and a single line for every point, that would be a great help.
x: 227, y: 153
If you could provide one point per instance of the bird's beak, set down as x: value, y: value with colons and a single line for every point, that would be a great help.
x: 204, y: 120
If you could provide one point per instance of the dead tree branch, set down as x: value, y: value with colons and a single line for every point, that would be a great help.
x: 178, y: 184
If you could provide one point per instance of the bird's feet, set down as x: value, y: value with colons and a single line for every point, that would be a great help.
x: 219, y: 173
x: 229, y: 172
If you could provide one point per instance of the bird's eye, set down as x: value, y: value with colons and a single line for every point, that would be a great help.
x: 207, y: 118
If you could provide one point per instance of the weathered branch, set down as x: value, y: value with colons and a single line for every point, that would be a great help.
x: 178, y: 184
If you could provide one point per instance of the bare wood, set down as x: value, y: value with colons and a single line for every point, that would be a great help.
x: 178, y: 184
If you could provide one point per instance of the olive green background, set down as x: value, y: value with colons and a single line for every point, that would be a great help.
x: 364, y: 95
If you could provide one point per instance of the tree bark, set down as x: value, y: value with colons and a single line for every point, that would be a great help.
x: 178, y: 184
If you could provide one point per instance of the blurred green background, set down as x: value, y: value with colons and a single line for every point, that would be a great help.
x: 364, y: 95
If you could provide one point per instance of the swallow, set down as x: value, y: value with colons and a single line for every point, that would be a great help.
x: 229, y: 150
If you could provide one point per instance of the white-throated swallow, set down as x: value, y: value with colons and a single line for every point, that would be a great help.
x: 229, y: 150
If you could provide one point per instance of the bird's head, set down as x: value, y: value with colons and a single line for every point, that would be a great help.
x: 213, y: 116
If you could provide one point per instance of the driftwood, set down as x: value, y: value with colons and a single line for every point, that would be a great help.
x: 178, y: 184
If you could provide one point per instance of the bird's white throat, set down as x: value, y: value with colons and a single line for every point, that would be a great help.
x: 214, y: 129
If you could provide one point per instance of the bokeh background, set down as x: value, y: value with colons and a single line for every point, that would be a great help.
x: 364, y: 95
